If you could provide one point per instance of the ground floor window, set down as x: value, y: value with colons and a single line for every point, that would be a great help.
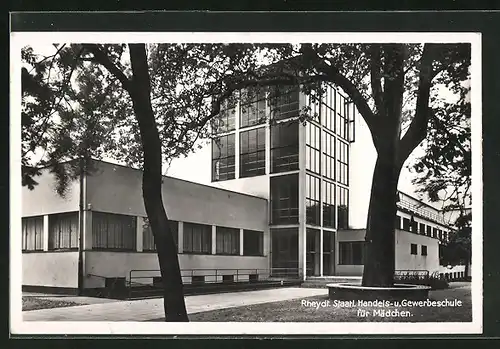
x: 285, y: 251
x: 113, y: 231
x: 148, y: 243
x: 227, y: 241
x: 424, y: 250
x: 63, y: 231
x: 32, y: 233
x: 413, y: 249
x: 197, y: 238
x: 351, y: 253
x: 253, y: 243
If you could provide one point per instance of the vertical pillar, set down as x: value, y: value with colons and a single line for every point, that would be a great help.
x: 180, y: 237
x: 302, y: 193
x: 237, y: 141
x: 241, y: 242
x: 87, y: 230
x: 139, y: 235
x: 214, y: 239
x: 45, y: 235
x: 321, y: 242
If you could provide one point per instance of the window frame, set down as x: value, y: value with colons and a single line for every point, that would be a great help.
x: 259, y: 152
x: 221, y: 233
x: 51, y: 238
x: 413, y: 249
x: 228, y: 157
x: 248, y: 232
x: 38, y: 235
x: 206, y: 230
x: 108, y: 215
x: 348, y: 258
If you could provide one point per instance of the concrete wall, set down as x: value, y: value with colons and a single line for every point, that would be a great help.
x: 407, y: 261
x: 43, y: 199
x: 258, y: 186
x: 50, y: 269
x: 118, y: 189
x: 404, y: 259
x: 119, y: 264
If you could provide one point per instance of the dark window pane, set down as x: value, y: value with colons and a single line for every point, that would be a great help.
x: 253, y: 152
x: 285, y: 199
x: 253, y: 243
x: 285, y: 147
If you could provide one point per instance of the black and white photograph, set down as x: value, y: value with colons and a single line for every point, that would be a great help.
x: 239, y: 183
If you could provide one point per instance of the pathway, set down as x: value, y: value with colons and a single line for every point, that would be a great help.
x: 150, y: 309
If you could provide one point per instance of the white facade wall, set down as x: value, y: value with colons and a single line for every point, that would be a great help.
x: 50, y: 269
x: 43, y: 199
x: 404, y: 259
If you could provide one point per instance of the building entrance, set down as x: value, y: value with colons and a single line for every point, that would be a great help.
x: 285, y: 252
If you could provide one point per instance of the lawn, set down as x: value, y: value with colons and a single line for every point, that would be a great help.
x: 296, y: 311
x: 35, y: 303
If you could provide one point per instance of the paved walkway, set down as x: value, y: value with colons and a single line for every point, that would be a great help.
x: 67, y: 298
x: 150, y: 309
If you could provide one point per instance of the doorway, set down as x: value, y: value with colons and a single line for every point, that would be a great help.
x: 328, y: 253
x: 285, y: 252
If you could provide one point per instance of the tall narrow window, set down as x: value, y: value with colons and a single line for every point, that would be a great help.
x: 413, y: 249
x: 223, y: 158
x: 32, y: 233
x: 285, y: 199
x: 63, y: 231
x: 328, y: 160
x: 113, y: 231
x: 327, y: 108
x: 422, y: 228
x: 285, y: 103
x: 148, y: 243
x: 253, y: 152
x: 398, y: 222
x: 406, y: 224
x: 313, y: 152
x: 285, y: 147
x: 313, y: 203
x: 342, y: 122
x: 342, y: 174
x: 253, y: 107
x: 343, y: 208
x: 197, y: 238
x: 328, y: 191
x: 227, y: 241
x: 424, y: 250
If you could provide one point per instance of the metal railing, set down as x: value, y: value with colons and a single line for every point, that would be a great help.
x: 421, y: 211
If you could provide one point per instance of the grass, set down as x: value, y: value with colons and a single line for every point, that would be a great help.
x: 294, y: 311
x: 34, y: 303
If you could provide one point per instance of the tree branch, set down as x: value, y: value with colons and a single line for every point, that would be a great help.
x: 333, y: 75
x: 375, y: 78
x: 418, y: 128
x: 102, y: 58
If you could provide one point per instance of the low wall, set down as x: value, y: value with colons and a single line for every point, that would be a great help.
x: 50, y: 269
x: 103, y: 264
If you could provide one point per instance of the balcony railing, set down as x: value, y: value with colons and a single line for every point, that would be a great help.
x: 425, y: 213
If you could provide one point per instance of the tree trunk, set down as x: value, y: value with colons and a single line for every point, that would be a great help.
x: 379, y: 260
x: 173, y: 296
